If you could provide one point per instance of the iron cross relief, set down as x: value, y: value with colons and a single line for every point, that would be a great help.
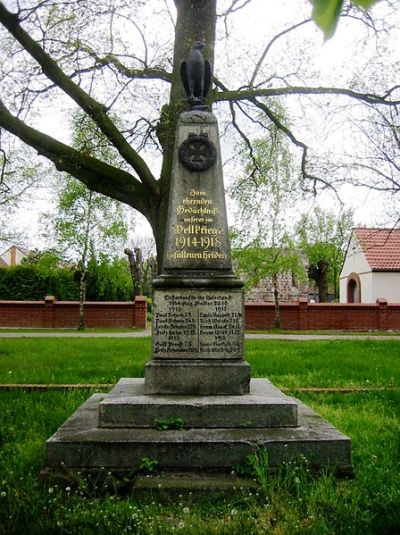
x: 197, y: 153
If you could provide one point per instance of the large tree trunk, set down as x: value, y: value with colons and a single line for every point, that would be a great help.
x: 318, y: 273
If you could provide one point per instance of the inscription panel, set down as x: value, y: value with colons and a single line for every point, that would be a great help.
x: 194, y: 324
x: 197, y: 231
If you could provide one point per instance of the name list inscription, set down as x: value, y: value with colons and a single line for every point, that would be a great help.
x: 196, y: 233
x: 197, y: 324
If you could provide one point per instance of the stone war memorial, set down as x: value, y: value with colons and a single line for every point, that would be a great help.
x: 197, y: 413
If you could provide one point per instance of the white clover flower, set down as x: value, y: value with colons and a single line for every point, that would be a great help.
x: 186, y: 510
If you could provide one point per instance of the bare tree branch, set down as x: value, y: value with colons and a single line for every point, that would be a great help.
x: 246, y: 140
x: 146, y: 73
x: 95, y: 174
x: 93, y: 108
x: 235, y: 6
x: 249, y: 94
x: 268, y: 47
x: 3, y: 162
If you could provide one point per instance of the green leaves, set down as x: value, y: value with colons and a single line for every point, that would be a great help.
x: 326, y: 13
x: 364, y: 3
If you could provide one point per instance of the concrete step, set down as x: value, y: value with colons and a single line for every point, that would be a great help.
x: 264, y: 406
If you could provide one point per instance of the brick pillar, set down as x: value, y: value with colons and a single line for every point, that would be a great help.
x: 49, y: 302
x: 140, y: 312
x: 303, y: 315
x: 383, y: 316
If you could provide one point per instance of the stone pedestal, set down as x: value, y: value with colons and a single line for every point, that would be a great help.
x: 197, y: 374
x: 197, y: 342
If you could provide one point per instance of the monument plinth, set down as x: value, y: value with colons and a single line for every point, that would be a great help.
x: 197, y: 374
x: 197, y: 301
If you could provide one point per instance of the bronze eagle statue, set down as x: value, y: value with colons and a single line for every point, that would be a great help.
x: 196, y: 75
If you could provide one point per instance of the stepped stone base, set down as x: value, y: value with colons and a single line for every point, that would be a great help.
x: 264, y: 406
x: 82, y: 444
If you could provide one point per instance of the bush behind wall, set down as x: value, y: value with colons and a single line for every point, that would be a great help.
x: 31, y: 283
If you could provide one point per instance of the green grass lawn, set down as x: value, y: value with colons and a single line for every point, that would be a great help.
x: 293, y: 503
x: 289, y: 364
x: 5, y: 330
x: 325, y: 332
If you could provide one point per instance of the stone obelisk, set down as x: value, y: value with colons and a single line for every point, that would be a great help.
x: 197, y: 302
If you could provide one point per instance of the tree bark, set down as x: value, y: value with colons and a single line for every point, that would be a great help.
x: 318, y: 273
x: 82, y: 282
x: 277, y: 321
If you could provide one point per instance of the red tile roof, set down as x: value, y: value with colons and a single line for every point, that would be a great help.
x: 381, y: 247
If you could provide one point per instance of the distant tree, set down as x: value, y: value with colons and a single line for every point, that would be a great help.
x: 47, y: 260
x: 256, y: 263
x: 20, y: 171
x: 87, y: 221
x: 266, y: 195
x: 323, y: 236
x: 108, y: 279
x: 84, y: 220
x: 135, y: 260
x: 142, y: 265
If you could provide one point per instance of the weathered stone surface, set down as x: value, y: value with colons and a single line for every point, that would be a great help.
x: 197, y: 377
x: 193, y: 324
x: 198, y: 340
x: 167, y: 483
x: 81, y: 444
x: 197, y: 231
x: 264, y: 406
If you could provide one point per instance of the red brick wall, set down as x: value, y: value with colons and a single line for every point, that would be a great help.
x: 51, y: 313
x: 325, y: 316
x: 294, y: 316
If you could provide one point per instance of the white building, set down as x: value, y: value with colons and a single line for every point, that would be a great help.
x: 371, y: 268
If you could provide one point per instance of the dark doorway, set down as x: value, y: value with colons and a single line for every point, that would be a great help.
x: 353, y: 292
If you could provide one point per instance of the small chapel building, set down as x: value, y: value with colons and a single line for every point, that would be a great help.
x: 371, y: 269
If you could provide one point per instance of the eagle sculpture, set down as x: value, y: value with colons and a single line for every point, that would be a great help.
x: 196, y: 77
